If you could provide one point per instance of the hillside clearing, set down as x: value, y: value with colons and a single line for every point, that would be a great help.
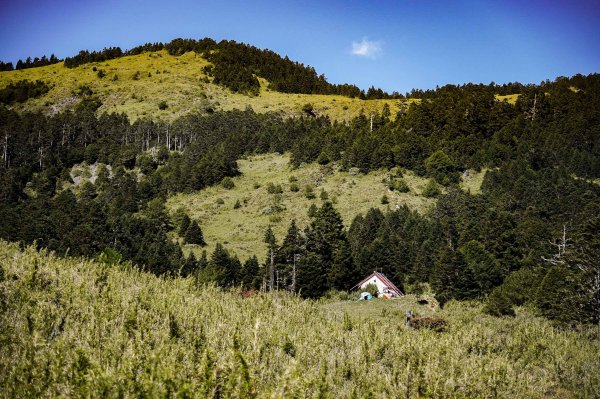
x: 241, y: 230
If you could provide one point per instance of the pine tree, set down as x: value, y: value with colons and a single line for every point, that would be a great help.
x: 193, y: 234
x: 250, y: 276
x: 189, y: 267
x: 184, y: 225
x: 452, y: 278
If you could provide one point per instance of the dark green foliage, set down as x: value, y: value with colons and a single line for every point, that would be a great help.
x: 273, y: 188
x: 441, y: 167
x: 227, y: 183
x: 452, y: 278
x: 237, y: 205
x: 22, y: 91
x: 398, y: 184
x: 84, y: 56
x: 163, y: 105
x: 385, y: 200
x: 431, y: 189
x: 309, y: 192
x: 193, y: 234
x: 499, y: 304
x: 250, y: 274
x: 554, y: 297
x: 30, y: 63
x: 486, y: 270
x: 189, y: 267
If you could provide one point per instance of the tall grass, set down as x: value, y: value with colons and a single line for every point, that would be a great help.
x: 74, y: 328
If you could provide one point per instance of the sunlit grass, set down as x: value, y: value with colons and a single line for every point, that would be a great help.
x: 242, y: 230
x: 74, y: 328
x: 177, y: 80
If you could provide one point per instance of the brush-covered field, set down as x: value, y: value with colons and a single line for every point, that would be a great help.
x: 137, y: 84
x: 75, y: 328
x: 242, y: 229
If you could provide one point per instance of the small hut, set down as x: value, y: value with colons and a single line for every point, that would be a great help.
x: 385, y: 287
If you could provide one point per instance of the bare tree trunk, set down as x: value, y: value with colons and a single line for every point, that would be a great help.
x: 271, y: 270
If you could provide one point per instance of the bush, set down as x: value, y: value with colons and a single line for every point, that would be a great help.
x: 227, y: 183
x: 385, y: 200
x: 294, y: 188
x: 324, y: 196
x: 399, y: 185
x: 274, y: 188
x: 431, y: 190
x: 237, y: 205
x: 436, y: 324
x: 499, y: 304
x: 309, y: 192
x: 163, y: 105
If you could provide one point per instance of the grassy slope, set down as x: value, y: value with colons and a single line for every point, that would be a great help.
x: 74, y: 328
x: 242, y: 230
x: 177, y: 80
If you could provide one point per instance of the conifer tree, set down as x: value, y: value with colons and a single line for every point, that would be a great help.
x: 193, y: 234
x: 189, y: 267
x: 184, y: 225
x: 250, y: 277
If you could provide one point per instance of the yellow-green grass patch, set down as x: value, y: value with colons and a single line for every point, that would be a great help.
x: 242, y: 230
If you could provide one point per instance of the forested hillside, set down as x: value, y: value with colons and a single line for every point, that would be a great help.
x: 529, y: 237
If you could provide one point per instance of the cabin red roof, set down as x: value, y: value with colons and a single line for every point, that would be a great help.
x: 387, y: 283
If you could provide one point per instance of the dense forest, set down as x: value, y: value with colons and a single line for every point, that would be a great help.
x: 531, y: 236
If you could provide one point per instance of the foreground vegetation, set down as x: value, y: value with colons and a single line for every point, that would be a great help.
x: 75, y: 328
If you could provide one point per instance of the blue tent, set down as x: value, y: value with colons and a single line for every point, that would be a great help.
x: 365, y: 296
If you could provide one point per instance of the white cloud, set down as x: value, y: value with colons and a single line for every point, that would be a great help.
x: 366, y: 48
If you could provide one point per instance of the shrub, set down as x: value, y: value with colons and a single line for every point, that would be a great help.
x: 431, y: 323
x: 499, y: 304
x: 163, y: 105
x: 385, y: 200
x: 309, y: 192
x: 324, y: 196
x: 237, y: 205
x: 274, y: 188
x: 371, y: 289
x: 227, y: 183
x: 431, y: 190
x: 294, y: 188
x: 399, y: 185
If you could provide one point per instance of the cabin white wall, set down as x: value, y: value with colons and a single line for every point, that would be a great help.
x: 376, y: 281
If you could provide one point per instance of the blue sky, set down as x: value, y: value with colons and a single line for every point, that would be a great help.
x: 396, y: 45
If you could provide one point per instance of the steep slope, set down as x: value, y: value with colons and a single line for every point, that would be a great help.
x: 163, y: 86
